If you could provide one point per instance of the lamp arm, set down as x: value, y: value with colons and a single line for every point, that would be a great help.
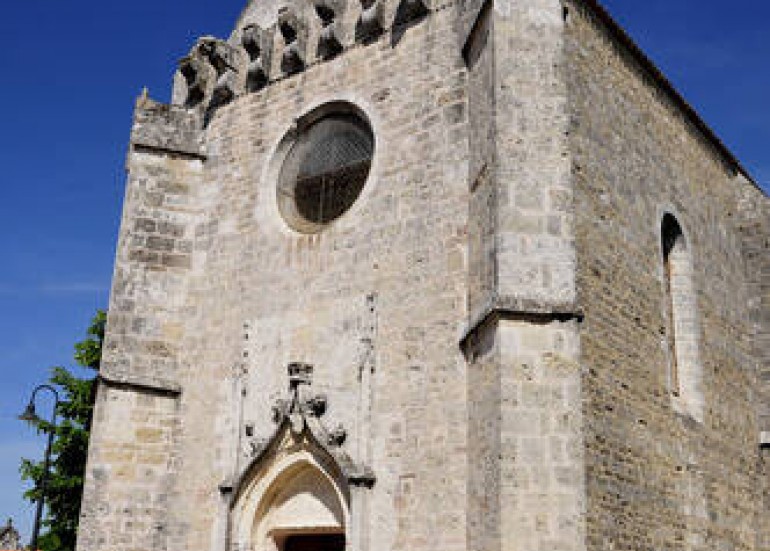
x: 46, y: 462
x: 55, y: 393
x: 49, y: 388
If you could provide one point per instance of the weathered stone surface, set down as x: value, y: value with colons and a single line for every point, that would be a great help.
x: 657, y: 472
x: 165, y: 127
x: 489, y: 326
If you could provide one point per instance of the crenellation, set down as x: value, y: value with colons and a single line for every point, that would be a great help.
x: 258, y: 44
x: 196, y: 77
x: 265, y: 50
x: 331, y: 37
x: 372, y: 20
x: 209, y: 77
x: 225, y: 61
x: 293, y: 32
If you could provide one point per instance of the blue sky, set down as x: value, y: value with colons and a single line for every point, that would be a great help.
x: 71, y: 71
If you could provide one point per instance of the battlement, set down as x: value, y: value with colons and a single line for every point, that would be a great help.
x: 277, y: 41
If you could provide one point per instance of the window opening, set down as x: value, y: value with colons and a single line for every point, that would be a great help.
x: 325, y: 170
x: 685, y: 372
x: 672, y: 238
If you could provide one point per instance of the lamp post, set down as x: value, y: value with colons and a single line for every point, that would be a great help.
x: 32, y: 417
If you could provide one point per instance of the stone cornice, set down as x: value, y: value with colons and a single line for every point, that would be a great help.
x: 621, y: 37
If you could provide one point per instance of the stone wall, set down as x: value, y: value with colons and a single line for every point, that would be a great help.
x: 754, y: 224
x: 526, y: 486
x: 380, y: 292
x: 133, y: 452
x: 488, y: 324
x: 304, y: 297
x: 657, y: 476
x: 131, y: 470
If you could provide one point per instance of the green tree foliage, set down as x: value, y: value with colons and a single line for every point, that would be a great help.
x: 70, y: 445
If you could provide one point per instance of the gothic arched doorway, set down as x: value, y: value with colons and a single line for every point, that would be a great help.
x: 295, y: 504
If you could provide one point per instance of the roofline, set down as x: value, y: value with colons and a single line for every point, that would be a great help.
x: 242, y: 14
x: 619, y: 33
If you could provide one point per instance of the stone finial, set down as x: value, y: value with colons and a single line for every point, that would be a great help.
x: 316, y: 405
x: 300, y: 374
x: 144, y: 101
x: 280, y: 410
x: 337, y: 436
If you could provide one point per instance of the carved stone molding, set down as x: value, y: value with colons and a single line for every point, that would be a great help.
x: 304, y: 412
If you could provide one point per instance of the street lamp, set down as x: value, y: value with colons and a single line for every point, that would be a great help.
x: 30, y: 416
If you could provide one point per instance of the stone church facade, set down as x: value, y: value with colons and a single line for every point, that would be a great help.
x: 425, y: 274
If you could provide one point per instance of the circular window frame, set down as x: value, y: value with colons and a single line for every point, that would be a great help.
x: 285, y: 187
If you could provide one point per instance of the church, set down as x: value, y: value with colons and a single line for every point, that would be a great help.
x: 405, y: 275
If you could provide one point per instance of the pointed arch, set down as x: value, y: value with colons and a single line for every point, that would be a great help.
x: 294, y: 489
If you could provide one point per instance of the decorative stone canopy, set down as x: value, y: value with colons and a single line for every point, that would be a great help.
x: 300, y: 479
x: 300, y: 428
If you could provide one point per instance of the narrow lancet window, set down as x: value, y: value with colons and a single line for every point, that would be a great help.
x: 685, y: 375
